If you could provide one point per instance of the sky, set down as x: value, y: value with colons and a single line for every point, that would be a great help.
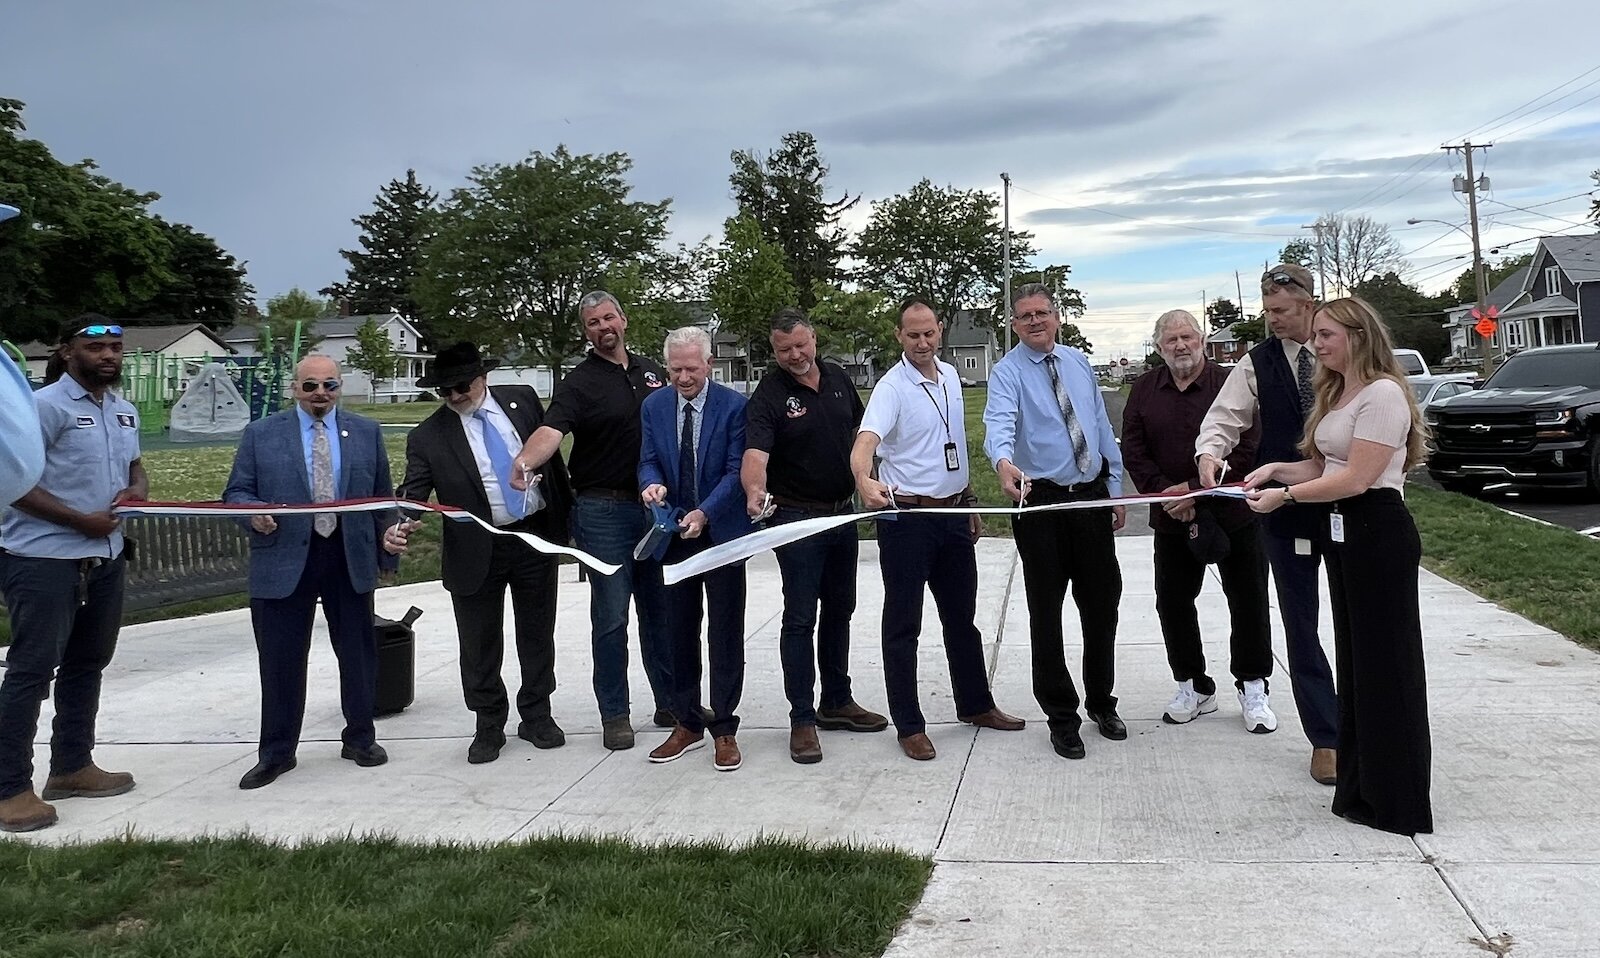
x: 1157, y: 147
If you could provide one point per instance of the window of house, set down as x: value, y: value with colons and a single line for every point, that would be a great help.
x: 972, y: 362
x: 1566, y: 330
x: 1552, y: 280
x: 1515, y: 338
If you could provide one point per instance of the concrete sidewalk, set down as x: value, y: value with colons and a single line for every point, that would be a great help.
x: 1200, y: 838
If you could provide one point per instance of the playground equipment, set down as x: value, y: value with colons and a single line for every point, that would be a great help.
x: 211, y: 408
x: 156, y: 382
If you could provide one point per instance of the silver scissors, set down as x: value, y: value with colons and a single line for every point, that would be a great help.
x: 768, y: 507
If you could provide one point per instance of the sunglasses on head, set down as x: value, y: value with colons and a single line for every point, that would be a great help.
x: 99, y: 329
x: 311, y: 385
x: 1283, y: 279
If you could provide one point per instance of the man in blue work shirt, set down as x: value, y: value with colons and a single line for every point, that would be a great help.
x: 1047, y: 433
x: 21, y: 448
x: 62, y: 569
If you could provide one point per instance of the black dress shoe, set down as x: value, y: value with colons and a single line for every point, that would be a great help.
x: 542, y: 732
x: 486, y: 746
x: 664, y: 719
x: 365, y: 757
x: 1067, y: 743
x: 265, y: 773
x: 1110, y: 724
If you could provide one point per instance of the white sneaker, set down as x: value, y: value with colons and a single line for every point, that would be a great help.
x: 1187, y: 704
x: 1258, y: 716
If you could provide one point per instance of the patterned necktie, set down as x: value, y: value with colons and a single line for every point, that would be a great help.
x: 322, y: 477
x: 688, y: 498
x: 1302, y: 378
x: 1080, y: 442
x: 500, y: 461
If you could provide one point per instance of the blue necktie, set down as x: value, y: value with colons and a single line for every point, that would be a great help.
x: 688, y: 500
x: 500, y: 459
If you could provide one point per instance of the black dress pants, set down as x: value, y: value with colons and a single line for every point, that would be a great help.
x: 480, y: 629
x: 1385, y: 751
x: 1075, y: 549
x: 1179, y: 577
x: 717, y: 598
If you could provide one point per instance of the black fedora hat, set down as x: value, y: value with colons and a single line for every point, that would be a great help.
x: 457, y: 365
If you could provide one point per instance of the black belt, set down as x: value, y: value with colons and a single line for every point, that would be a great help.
x: 1045, y: 489
x: 927, y: 502
x: 811, y: 505
x: 615, y: 495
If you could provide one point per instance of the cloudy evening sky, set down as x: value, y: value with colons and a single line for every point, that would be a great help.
x: 1212, y: 129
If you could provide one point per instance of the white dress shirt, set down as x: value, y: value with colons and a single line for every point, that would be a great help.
x: 1235, y: 407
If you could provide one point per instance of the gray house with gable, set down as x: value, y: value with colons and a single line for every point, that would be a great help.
x: 1554, y: 300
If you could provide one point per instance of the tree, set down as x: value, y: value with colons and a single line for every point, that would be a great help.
x: 1068, y: 300
x: 941, y: 243
x: 855, y: 323
x: 372, y: 354
x: 1251, y: 330
x: 1354, y: 249
x: 287, y: 311
x: 663, y: 292
x: 207, y: 285
x: 1415, y: 319
x: 1221, y: 313
x: 783, y: 191
x: 1300, y: 253
x: 1465, y: 288
x: 381, y: 272
x: 750, y: 283
x: 512, y: 251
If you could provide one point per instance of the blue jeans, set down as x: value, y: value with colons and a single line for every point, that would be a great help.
x: 819, y: 571
x: 1296, y: 579
x: 608, y: 529
x: 53, y: 634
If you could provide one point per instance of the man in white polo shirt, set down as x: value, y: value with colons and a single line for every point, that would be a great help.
x: 915, y: 420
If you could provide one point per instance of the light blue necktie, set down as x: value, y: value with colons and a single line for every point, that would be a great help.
x: 500, y: 459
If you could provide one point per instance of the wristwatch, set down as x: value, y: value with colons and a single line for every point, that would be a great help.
x: 1288, y: 494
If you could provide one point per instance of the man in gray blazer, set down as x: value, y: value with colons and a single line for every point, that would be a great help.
x: 313, y: 453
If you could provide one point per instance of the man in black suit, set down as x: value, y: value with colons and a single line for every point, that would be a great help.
x: 463, y: 453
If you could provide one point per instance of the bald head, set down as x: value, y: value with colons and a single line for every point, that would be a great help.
x: 317, y: 367
x: 319, y: 372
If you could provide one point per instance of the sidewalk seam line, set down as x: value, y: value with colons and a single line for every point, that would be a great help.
x: 1467, y: 908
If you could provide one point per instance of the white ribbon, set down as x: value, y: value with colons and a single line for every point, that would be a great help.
x: 236, y: 510
x: 773, y: 537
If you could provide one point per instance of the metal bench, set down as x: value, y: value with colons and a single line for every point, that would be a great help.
x: 182, y: 558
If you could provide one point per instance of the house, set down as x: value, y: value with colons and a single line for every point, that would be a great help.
x: 970, y: 346
x: 335, y: 337
x: 1553, y: 300
x: 149, y: 350
x: 1225, y: 346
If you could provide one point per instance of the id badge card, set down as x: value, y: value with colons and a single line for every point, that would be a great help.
x: 952, y: 462
x: 1336, y: 527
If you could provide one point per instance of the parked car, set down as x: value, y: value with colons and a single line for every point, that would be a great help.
x: 1412, y: 362
x: 1432, y: 389
x: 1536, y: 421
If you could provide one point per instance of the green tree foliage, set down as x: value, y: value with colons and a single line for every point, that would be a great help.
x: 1068, y: 300
x: 85, y: 242
x: 1300, y: 253
x: 1222, y: 312
x: 380, y: 273
x: 1252, y: 330
x: 785, y: 193
x: 661, y: 292
x: 373, y: 352
x: 512, y: 252
x: 1465, y: 288
x: 1415, y: 319
x: 854, y: 323
x: 939, y: 242
x: 751, y: 281
x: 284, y: 313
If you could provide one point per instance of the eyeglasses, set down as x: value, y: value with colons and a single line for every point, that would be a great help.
x: 311, y: 385
x: 1034, y: 316
x: 99, y: 330
x: 448, y: 391
x: 1283, y: 279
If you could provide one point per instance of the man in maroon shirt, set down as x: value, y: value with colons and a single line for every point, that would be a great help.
x: 1159, y: 426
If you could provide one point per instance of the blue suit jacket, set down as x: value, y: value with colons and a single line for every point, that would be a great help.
x: 718, y: 456
x: 270, y: 468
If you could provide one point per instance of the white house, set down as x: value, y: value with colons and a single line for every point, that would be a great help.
x: 173, y: 352
x: 335, y: 337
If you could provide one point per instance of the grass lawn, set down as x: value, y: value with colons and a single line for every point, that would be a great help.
x: 380, y: 897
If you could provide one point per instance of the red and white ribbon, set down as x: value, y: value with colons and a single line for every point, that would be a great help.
x: 239, y: 510
x: 773, y: 537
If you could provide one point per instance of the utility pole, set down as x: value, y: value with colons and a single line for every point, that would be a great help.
x: 1238, y: 288
x: 1005, y: 295
x: 1480, y: 280
x: 1322, y: 276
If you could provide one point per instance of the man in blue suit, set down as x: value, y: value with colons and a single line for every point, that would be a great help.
x: 689, y: 457
x: 314, y: 453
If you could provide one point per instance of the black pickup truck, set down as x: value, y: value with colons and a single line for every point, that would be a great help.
x: 1536, y: 421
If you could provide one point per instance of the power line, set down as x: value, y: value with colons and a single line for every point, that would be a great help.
x: 1524, y: 209
x: 1520, y: 129
x: 1483, y: 126
x: 1425, y: 160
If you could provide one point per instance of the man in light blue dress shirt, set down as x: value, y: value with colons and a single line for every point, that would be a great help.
x: 21, y: 448
x: 1047, y: 433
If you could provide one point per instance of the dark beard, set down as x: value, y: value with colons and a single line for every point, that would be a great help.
x: 92, y: 378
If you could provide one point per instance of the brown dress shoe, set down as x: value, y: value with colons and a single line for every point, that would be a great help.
x: 24, y: 812
x: 1325, y: 766
x: 680, y: 741
x: 850, y: 717
x: 87, y: 782
x: 727, y: 758
x: 997, y: 720
x: 919, y: 747
x: 803, y: 745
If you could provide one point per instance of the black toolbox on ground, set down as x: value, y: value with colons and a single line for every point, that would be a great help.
x: 397, y: 642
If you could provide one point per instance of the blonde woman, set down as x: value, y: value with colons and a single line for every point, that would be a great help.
x: 1364, y: 432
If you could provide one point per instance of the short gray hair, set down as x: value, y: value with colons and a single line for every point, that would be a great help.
x: 688, y: 336
x: 599, y: 298
x: 1176, y: 316
x: 787, y: 318
x: 1027, y: 290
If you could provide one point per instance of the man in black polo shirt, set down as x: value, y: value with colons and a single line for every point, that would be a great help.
x: 598, y: 403
x: 801, y: 424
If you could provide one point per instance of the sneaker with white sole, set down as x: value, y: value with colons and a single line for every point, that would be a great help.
x: 1187, y: 704
x: 1258, y: 715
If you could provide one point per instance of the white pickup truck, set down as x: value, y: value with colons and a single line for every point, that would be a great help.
x: 1412, y: 362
